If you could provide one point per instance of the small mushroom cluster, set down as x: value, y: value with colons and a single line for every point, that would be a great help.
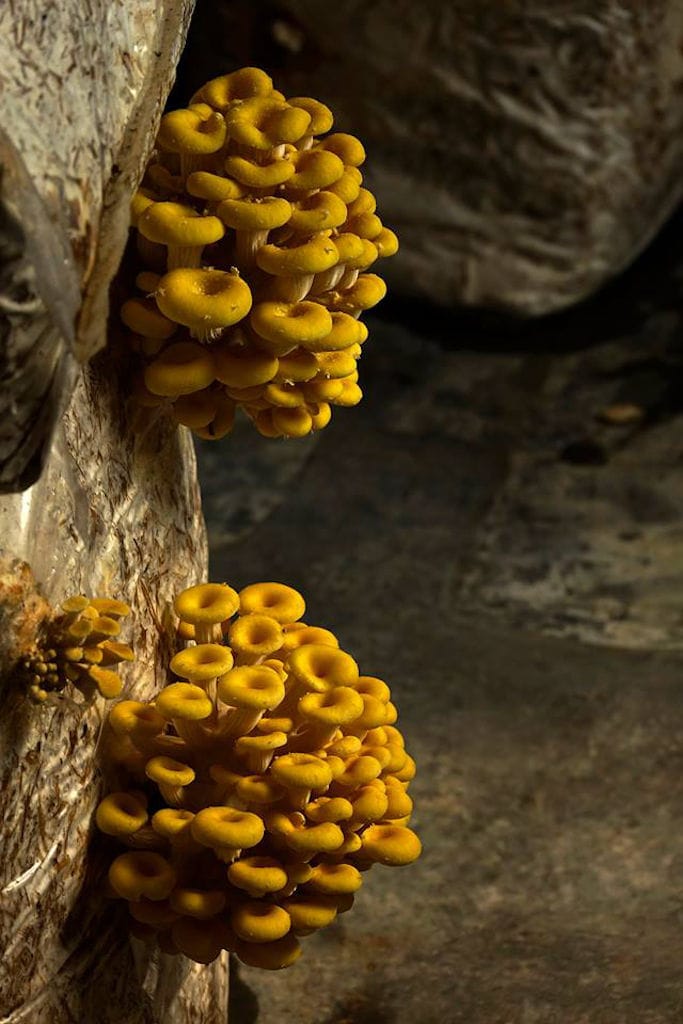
x: 79, y: 646
x: 259, y: 786
x: 255, y: 236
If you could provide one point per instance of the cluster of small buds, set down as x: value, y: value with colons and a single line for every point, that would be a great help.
x: 260, y: 785
x: 79, y: 647
x: 253, y: 235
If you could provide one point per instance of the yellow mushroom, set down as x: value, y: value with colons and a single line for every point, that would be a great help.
x: 329, y: 808
x: 292, y: 422
x: 321, y: 116
x: 142, y: 873
x: 201, y: 904
x: 256, y: 175
x: 252, y: 219
x: 394, y: 845
x: 238, y: 85
x: 203, y: 663
x: 143, y: 317
x: 369, y: 803
x: 174, y: 825
x: 296, y: 367
x: 348, y: 186
x: 324, y: 713
x: 301, y: 774
x: 180, y: 369
x: 262, y: 123
x: 214, y: 188
x: 185, y: 702
x: 250, y: 691
x: 206, y: 301
x: 310, y: 911
x: 254, y: 636
x: 137, y: 720
x: 206, y: 606
x: 314, y: 169
x: 171, y: 777
x: 241, y: 366
x: 255, y: 921
x: 257, y: 876
x: 227, y: 830
x: 317, y: 212
x: 317, y: 668
x: 193, y: 134
x: 295, y: 266
x: 182, y: 230
x: 201, y: 941
x: 347, y: 147
x: 291, y: 324
x: 280, y: 602
x: 121, y: 814
x: 269, y: 956
x: 335, y: 879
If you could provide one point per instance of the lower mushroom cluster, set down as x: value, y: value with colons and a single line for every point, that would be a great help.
x: 260, y: 786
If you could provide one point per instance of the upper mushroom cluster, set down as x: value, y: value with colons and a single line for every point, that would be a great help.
x: 254, y: 236
x: 79, y: 646
x: 258, y: 787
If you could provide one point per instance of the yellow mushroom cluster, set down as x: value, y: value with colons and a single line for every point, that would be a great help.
x: 260, y: 785
x: 80, y: 646
x: 254, y: 240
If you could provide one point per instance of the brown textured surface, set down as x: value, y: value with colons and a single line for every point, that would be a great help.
x: 82, y: 87
x: 116, y: 512
x: 524, y: 152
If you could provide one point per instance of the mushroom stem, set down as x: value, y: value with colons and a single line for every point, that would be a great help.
x: 240, y: 721
x: 327, y: 279
x: 290, y: 289
x: 247, y: 244
x: 347, y: 279
x: 184, y: 256
x: 145, y: 839
x: 173, y: 795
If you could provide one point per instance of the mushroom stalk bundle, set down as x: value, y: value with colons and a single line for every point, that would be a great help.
x: 254, y: 221
x: 262, y: 783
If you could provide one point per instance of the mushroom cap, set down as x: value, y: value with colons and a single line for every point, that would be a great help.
x: 318, y: 212
x: 347, y: 147
x: 344, y: 747
x: 240, y: 367
x: 254, y: 921
x: 301, y: 771
x: 257, y: 175
x: 296, y: 422
x: 227, y: 826
x: 345, y: 332
x: 257, y: 874
x: 348, y: 186
x: 350, y: 395
x: 337, y: 706
x: 135, y: 718
x: 303, y: 634
x: 254, y: 213
x: 320, y: 667
x: 172, y: 822
x: 255, y: 635
x: 201, y: 663
x: 179, y: 225
x: 407, y: 771
x: 323, y: 838
x: 212, y: 187
x: 238, y: 85
x: 185, y: 701
x: 201, y: 941
x: 394, y: 845
x: 312, y: 257
x: 359, y: 769
x: 386, y: 242
x: 368, y: 290
x: 322, y: 118
x: 369, y: 803
x: 329, y: 808
x: 268, y: 725
x: 143, y: 317
x: 270, y: 956
x: 196, y: 410
x: 365, y: 225
x: 285, y: 396
x: 168, y: 771
x: 335, y: 365
x: 399, y: 803
x: 251, y: 686
x: 262, y: 122
x: 280, y: 602
x: 297, y: 366
x: 203, y: 299
x: 121, y: 814
x: 107, y: 682
x: 111, y: 608
x: 364, y: 202
x: 373, y: 687
x: 142, y: 873
x: 335, y: 879
x: 314, y: 169
x: 258, y: 789
x: 310, y: 911
x: 158, y: 914
x: 297, y: 323
x: 180, y: 369
x: 142, y: 198
x: 349, y: 246
x: 187, y: 131
x: 198, y: 903
x: 206, y: 604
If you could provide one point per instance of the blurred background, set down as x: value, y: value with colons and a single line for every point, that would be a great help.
x: 496, y: 529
